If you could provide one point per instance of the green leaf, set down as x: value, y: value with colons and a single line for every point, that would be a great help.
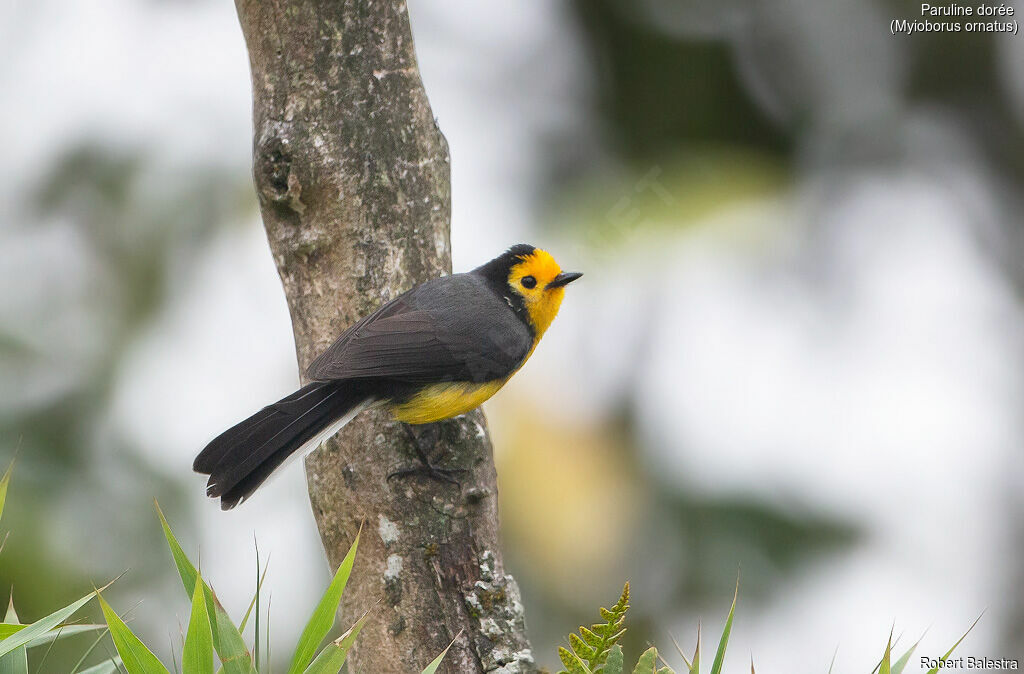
x: 902, y: 662
x: 227, y: 640
x: 716, y: 666
x: 4, y: 481
x: 614, y: 664
x: 197, y: 654
x: 24, y: 634
x: 62, y: 632
x: 332, y: 657
x: 432, y: 667
x: 15, y: 662
x: 137, y: 659
x: 695, y: 665
x: 885, y: 667
x: 322, y: 620
x: 255, y: 596
x: 581, y: 648
x: 669, y: 670
x: 571, y: 662
x: 591, y: 638
x: 186, y: 570
x: 647, y: 662
x: 591, y: 647
x: 935, y: 670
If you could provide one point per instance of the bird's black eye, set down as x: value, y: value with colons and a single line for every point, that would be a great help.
x: 528, y: 282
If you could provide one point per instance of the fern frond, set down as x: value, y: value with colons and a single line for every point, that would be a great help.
x: 591, y: 647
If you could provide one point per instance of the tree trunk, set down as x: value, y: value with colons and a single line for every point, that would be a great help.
x: 353, y: 182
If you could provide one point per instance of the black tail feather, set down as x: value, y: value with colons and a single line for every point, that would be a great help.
x: 241, y: 458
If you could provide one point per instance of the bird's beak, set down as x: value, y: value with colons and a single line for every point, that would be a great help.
x: 564, y: 279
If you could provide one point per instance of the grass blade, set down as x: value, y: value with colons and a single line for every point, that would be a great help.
x: 197, y: 653
x: 332, y: 657
x: 935, y: 670
x: 901, y: 664
x: 255, y: 597
x: 695, y: 665
x: 186, y: 569
x: 137, y: 659
x: 322, y: 620
x: 256, y: 627
x: 63, y: 632
x: 15, y: 662
x: 885, y: 666
x: 4, y: 481
x: 716, y: 666
x: 24, y: 634
x: 227, y: 640
x: 432, y: 667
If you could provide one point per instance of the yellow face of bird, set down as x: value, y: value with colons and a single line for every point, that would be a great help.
x: 540, y: 282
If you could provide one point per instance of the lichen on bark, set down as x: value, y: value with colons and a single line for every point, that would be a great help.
x: 352, y: 176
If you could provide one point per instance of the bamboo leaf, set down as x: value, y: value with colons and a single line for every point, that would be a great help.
x: 322, y: 620
x: 62, y: 632
x: 952, y: 648
x: 695, y: 665
x: 716, y: 666
x: 432, y: 667
x: 227, y: 640
x: 15, y: 662
x: 58, y: 632
x: 24, y: 634
x: 137, y: 659
x: 902, y: 662
x: 186, y: 570
x: 332, y: 657
x: 197, y: 653
x: 885, y: 667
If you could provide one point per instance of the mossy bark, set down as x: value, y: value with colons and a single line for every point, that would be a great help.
x: 352, y: 175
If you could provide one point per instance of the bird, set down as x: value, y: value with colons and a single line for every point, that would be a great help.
x: 434, y: 352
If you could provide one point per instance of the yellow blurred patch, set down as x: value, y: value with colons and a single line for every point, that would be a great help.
x: 569, y: 498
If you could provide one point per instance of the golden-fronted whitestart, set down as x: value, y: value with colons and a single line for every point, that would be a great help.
x: 434, y: 352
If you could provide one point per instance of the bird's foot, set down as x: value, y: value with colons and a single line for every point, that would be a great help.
x: 424, y: 444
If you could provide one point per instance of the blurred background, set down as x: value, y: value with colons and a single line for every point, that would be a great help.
x: 796, y: 354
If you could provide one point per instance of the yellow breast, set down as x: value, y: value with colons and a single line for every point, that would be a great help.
x: 442, y: 401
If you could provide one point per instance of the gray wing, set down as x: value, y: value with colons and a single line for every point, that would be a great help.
x: 449, y: 329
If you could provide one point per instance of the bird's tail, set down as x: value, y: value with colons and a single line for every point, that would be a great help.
x: 241, y: 458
